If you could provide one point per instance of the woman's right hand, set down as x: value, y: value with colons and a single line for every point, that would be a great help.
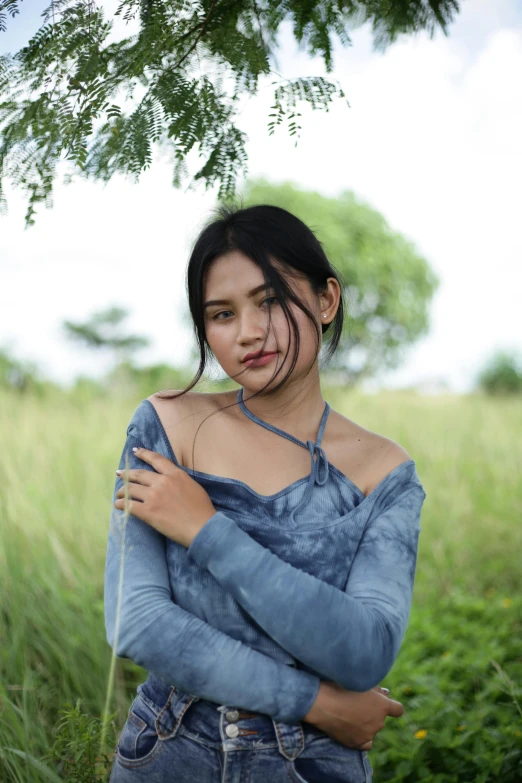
x: 349, y: 717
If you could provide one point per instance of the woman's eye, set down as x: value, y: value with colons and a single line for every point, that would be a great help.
x: 217, y: 318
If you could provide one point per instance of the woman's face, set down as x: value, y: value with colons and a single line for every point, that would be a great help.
x: 238, y: 325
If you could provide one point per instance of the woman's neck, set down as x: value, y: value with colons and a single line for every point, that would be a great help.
x: 297, y: 411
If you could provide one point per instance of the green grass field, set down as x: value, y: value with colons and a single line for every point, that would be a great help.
x: 459, y: 672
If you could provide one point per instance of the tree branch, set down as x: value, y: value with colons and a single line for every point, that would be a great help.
x: 176, y: 65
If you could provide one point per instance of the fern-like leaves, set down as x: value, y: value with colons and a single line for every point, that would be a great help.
x: 76, y: 96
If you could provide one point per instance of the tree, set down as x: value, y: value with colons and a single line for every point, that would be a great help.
x: 101, y: 332
x: 501, y: 374
x: 388, y: 285
x: 70, y: 92
x: 18, y: 374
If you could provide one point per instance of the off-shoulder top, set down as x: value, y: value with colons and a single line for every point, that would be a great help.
x: 276, y: 592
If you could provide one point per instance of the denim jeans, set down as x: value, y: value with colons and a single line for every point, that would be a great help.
x: 174, y: 737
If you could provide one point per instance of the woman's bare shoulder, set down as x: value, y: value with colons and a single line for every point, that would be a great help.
x: 188, y: 408
x: 387, y: 456
x: 171, y: 408
x: 371, y: 455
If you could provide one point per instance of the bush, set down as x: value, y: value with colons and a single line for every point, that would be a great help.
x: 502, y: 374
x: 462, y: 708
x: 76, y: 751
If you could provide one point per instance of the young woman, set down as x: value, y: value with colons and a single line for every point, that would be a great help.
x: 267, y: 584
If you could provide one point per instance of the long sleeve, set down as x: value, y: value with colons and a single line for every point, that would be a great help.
x: 174, y: 644
x: 351, y: 637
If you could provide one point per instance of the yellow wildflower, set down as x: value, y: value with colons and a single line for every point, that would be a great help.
x: 506, y: 603
x: 461, y: 728
x: 420, y: 734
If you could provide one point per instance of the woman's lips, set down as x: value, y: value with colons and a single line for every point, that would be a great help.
x: 260, y: 361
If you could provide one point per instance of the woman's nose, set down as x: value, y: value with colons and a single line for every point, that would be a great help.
x: 252, y: 325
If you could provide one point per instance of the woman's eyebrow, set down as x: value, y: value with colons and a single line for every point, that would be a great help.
x: 227, y: 301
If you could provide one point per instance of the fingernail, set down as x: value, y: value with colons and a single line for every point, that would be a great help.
x: 135, y: 449
x: 118, y: 472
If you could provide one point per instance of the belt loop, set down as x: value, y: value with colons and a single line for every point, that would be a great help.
x: 290, y: 738
x: 169, y: 720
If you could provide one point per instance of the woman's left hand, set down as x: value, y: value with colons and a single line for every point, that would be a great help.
x: 171, y: 500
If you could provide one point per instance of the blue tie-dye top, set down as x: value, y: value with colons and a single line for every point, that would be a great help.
x: 276, y: 592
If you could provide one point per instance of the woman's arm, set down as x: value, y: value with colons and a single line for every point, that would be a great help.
x: 178, y: 647
x: 350, y: 637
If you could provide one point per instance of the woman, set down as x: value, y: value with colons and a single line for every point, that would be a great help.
x: 266, y: 591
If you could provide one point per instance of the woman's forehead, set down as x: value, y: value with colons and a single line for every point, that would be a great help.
x: 234, y: 274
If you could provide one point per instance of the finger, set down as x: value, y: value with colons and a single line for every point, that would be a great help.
x: 137, y: 475
x: 395, y: 708
x: 160, y: 463
x: 132, y: 506
x: 135, y: 491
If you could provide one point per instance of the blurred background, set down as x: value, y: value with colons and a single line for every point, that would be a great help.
x: 414, y: 189
x: 430, y: 142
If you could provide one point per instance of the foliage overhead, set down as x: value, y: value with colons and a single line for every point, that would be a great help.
x: 86, y: 91
x: 388, y: 285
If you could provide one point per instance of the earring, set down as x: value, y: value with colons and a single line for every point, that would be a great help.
x: 324, y: 315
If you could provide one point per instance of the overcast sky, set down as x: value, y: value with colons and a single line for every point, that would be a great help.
x: 431, y: 140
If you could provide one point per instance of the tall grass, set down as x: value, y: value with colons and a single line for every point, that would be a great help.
x: 56, y: 481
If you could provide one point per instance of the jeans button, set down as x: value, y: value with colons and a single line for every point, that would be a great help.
x: 232, y: 716
x: 232, y: 730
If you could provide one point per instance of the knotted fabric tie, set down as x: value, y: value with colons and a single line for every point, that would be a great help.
x: 318, y: 473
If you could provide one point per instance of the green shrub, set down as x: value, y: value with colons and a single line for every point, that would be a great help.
x: 502, y: 374
x: 458, y: 676
x: 76, y: 750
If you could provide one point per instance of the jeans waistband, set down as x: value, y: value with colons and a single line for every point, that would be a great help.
x: 222, y: 726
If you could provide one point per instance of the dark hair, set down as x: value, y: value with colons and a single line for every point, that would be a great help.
x: 282, y: 246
